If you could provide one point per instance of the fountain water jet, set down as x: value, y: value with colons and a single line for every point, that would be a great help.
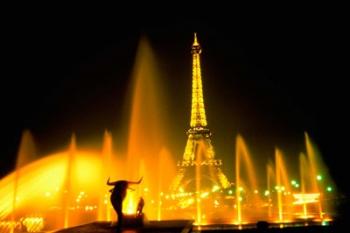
x: 270, y: 177
x: 282, y: 187
x: 104, y: 207
x: 166, y: 172
x: 242, y: 154
x: 26, y: 154
x: 303, y: 170
x: 160, y: 182
x: 315, y: 164
x: 66, y: 199
x: 147, y: 131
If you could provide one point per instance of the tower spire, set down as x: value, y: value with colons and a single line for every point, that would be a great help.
x: 198, y: 117
x: 195, y: 42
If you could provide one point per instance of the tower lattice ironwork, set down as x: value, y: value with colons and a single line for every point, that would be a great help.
x: 199, y: 139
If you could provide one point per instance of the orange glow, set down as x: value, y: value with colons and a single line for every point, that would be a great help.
x: 44, y: 182
x: 68, y: 188
x: 130, y: 203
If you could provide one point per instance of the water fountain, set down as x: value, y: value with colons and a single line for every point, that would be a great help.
x: 71, y: 183
x: 243, y: 155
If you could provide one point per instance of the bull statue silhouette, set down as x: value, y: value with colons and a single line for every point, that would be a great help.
x: 118, y: 194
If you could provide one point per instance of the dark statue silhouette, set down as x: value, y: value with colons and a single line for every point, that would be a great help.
x: 118, y: 194
x: 140, y: 207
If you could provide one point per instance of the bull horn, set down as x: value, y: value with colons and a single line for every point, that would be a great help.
x: 111, y: 183
x: 136, y: 182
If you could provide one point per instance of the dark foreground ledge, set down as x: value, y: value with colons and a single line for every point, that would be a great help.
x: 181, y: 226
x: 185, y: 226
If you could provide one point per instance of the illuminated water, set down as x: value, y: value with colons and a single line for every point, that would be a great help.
x: 68, y: 187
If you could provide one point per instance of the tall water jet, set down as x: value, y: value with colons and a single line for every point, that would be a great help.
x: 26, y: 154
x: 270, y: 177
x: 104, y: 209
x: 165, y: 174
x: 282, y: 186
x: 242, y: 155
x: 27, y: 150
x: 68, y: 180
x: 303, y: 165
x: 144, y: 190
x: 320, y: 179
x: 312, y: 162
x: 160, y: 183
x: 314, y: 171
x: 146, y: 128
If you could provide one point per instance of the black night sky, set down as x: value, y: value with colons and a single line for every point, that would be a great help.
x: 269, y: 75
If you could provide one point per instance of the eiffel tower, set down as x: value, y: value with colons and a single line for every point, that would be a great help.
x: 198, y: 141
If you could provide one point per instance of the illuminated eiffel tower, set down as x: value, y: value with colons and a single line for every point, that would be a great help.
x: 198, y: 141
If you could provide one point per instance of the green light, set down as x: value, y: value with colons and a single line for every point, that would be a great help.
x: 230, y: 192
x: 329, y: 189
x: 319, y: 177
x: 293, y: 182
x: 297, y: 185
